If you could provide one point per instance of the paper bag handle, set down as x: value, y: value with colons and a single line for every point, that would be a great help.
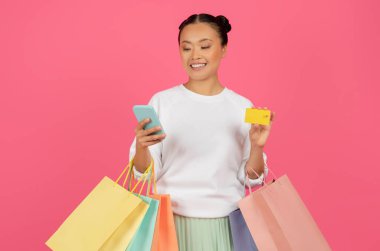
x: 264, y: 183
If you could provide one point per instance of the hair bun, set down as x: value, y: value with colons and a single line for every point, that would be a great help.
x: 223, y: 22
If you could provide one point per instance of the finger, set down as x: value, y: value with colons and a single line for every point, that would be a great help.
x: 148, y: 139
x: 150, y: 143
x: 254, y: 126
x: 142, y: 123
x: 153, y: 137
x: 272, y: 115
x: 152, y: 130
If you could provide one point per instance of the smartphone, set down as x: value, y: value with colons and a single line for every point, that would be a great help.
x: 257, y: 116
x: 147, y: 111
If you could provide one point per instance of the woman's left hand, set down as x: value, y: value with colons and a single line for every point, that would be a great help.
x: 260, y: 133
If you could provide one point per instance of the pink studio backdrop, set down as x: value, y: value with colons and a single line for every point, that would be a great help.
x: 72, y: 70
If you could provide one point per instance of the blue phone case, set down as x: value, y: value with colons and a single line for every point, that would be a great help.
x: 147, y: 111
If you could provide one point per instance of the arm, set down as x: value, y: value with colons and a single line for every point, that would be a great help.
x: 255, y: 162
x: 142, y: 159
x: 258, y: 136
x: 145, y: 148
x: 141, y: 155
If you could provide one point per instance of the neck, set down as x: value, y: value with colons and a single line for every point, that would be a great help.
x: 206, y: 87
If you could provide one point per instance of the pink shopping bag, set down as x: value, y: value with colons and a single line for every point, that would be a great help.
x: 278, y: 219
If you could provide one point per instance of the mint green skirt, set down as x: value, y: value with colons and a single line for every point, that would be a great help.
x: 203, y: 234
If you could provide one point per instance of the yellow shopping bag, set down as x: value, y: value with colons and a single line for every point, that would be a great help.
x: 106, y: 219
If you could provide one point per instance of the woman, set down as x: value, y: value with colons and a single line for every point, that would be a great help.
x: 202, y: 158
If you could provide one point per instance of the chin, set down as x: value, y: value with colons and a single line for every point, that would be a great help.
x: 198, y: 78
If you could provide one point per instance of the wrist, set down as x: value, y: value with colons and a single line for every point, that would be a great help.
x: 256, y: 148
x: 141, y: 148
x: 253, y: 173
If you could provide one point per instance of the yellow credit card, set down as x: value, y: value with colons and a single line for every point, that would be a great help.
x: 257, y: 116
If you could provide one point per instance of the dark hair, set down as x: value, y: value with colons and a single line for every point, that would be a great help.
x: 219, y: 23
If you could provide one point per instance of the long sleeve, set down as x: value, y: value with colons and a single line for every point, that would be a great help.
x: 155, y: 150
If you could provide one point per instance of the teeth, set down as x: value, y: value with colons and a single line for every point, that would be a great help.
x: 197, y: 65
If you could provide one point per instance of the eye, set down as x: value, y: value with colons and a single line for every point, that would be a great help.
x: 205, y: 47
x: 186, y: 49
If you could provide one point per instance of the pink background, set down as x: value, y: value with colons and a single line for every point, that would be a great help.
x: 72, y: 70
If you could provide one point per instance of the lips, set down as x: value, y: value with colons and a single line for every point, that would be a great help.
x: 198, y: 65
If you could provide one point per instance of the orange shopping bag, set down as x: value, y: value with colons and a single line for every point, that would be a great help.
x: 278, y: 220
x: 165, y: 237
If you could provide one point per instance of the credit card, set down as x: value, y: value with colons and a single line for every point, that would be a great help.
x: 257, y: 116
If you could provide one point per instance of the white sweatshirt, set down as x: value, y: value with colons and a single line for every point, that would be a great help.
x: 201, y: 162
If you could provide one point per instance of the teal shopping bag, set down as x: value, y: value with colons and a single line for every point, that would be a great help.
x: 142, y: 240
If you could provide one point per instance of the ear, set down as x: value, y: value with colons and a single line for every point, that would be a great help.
x: 224, y: 51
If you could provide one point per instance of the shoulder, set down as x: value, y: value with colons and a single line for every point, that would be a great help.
x: 239, y: 99
x: 165, y: 97
x: 166, y: 93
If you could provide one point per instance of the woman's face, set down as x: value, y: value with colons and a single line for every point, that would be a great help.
x: 200, y: 50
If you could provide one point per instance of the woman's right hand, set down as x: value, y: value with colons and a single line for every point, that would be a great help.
x: 143, y: 139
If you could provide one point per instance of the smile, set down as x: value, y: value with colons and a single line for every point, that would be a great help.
x: 197, y: 66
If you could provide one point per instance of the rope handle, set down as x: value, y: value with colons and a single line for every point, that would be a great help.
x: 264, y: 183
x: 130, y: 172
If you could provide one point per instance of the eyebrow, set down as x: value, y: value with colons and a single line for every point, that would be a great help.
x: 204, y: 39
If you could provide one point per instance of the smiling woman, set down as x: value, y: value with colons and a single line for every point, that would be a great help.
x: 202, y: 44
x: 202, y: 160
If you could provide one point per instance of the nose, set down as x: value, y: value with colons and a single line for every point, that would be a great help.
x: 195, y: 54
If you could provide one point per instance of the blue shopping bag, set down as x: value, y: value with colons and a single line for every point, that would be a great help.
x: 241, y: 237
x: 142, y: 240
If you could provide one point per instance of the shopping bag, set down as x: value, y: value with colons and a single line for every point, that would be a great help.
x: 142, y: 241
x: 278, y: 219
x: 106, y: 219
x: 165, y: 237
x: 241, y: 237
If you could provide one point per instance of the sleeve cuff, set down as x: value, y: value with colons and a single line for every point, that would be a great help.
x: 258, y: 181
x: 138, y: 175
